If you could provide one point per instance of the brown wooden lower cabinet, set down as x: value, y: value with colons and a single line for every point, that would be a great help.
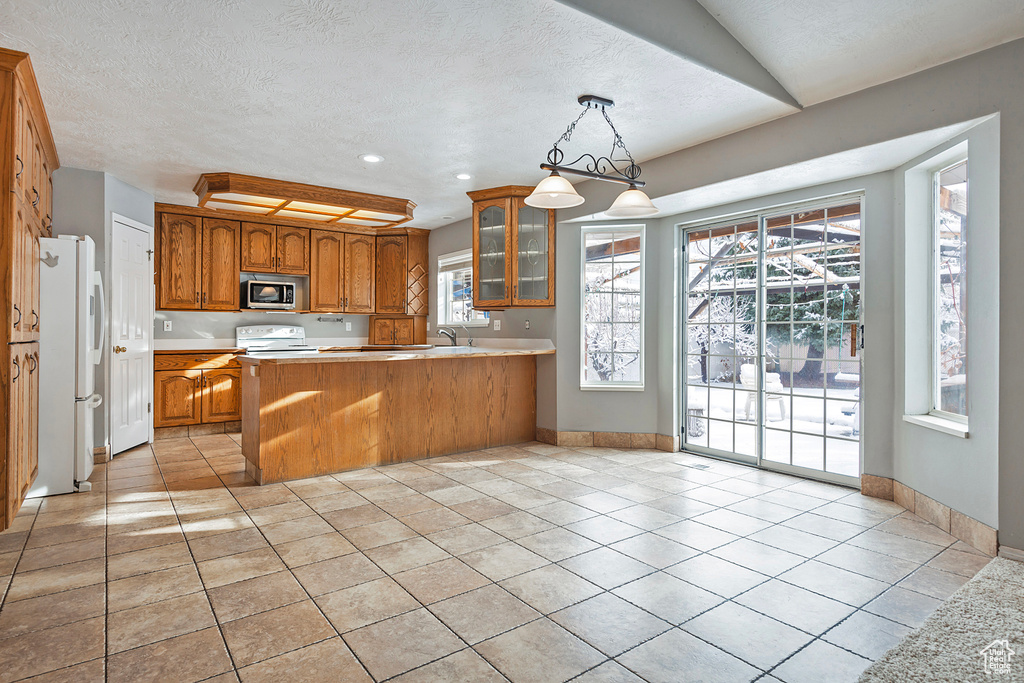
x: 222, y: 395
x: 398, y: 330
x: 177, y: 397
x: 311, y: 417
x: 23, y: 423
x: 192, y: 389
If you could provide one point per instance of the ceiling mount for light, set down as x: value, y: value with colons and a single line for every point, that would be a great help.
x: 555, y: 192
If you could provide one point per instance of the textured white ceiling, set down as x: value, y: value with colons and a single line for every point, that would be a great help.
x: 822, y: 49
x: 157, y: 92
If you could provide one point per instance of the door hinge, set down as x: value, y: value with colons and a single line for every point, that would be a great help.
x: 149, y: 407
x: 149, y: 254
x: 862, y: 336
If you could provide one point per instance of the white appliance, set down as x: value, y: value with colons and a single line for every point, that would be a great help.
x: 70, y: 347
x: 257, y: 339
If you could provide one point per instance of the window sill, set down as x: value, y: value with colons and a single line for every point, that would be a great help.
x: 481, y: 323
x: 939, y: 424
x: 611, y: 387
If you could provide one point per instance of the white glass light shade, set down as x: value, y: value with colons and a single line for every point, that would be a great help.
x: 632, y: 203
x: 554, y: 192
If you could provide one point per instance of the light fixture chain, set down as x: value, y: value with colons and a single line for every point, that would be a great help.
x: 555, y: 154
x: 617, y: 142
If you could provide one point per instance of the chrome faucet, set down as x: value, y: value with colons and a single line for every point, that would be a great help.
x: 450, y: 333
x: 469, y: 335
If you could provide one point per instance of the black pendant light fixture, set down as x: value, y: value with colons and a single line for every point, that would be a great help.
x: 555, y: 192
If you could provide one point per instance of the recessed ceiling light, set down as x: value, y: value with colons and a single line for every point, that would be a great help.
x: 463, y: 176
x: 447, y: 218
x: 372, y: 158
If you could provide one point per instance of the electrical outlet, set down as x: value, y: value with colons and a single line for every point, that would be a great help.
x: 348, y: 327
x: 428, y: 327
x: 167, y: 326
x: 527, y: 324
x: 497, y: 325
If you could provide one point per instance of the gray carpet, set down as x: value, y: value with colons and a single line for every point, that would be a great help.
x: 948, y: 646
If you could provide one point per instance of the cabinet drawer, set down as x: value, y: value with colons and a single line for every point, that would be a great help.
x: 194, y: 361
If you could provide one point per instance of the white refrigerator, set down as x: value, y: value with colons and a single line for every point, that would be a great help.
x: 71, y: 338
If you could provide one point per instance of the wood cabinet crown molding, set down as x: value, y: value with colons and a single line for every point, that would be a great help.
x: 19, y: 63
x: 242, y: 216
x: 271, y: 197
x: 500, y: 192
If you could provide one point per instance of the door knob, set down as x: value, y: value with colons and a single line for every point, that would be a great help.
x: 120, y: 349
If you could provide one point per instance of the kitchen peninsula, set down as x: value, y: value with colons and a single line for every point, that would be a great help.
x: 306, y: 415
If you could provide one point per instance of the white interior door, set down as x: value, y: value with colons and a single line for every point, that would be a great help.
x: 131, y: 332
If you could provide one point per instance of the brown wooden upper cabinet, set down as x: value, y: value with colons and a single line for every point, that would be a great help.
x: 392, y: 273
x: 327, y: 271
x: 180, y: 265
x: 198, y: 261
x: 360, y: 252
x: 402, y: 271
x: 275, y: 249
x: 220, y: 264
x: 513, y: 250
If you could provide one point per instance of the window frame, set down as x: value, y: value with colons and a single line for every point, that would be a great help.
x: 612, y: 385
x: 934, y: 295
x: 444, y: 300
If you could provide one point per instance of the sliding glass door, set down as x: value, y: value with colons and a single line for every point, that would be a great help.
x: 771, y: 340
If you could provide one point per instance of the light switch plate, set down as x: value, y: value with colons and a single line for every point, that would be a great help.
x: 497, y: 325
x: 167, y: 326
x: 348, y: 327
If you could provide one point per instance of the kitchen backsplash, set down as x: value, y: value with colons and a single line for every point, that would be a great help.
x: 214, y: 325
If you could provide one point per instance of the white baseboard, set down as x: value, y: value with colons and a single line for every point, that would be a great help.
x: 1011, y: 553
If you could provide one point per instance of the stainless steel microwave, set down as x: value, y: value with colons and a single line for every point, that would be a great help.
x: 263, y: 294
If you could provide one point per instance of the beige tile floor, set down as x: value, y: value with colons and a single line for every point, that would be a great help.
x: 527, y: 563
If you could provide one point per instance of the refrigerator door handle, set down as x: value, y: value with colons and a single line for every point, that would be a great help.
x: 98, y: 283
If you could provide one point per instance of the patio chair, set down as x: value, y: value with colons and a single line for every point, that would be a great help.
x: 772, y: 382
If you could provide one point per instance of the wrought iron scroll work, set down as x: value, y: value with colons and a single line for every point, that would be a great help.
x: 601, y: 168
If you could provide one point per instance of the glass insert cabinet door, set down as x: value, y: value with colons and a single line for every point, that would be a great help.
x: 513, y: 250
x: 491, y: 243
x: 533, y: 256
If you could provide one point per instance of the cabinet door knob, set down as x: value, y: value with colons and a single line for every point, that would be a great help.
x: 17, y: 322
x: 21, y: 166
x: 35, y: 202
x: 35, y: 364
x: 17, y: 366
x: 35, y: 325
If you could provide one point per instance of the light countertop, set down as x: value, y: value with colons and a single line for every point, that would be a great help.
x: 378, y: 356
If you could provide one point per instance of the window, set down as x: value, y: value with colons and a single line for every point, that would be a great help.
x: 455, y: 291
x: 949, y: 290
x: 612, y: 318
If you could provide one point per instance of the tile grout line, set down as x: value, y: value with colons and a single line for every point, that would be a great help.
x: 195, y: 563
x: 555, y: 499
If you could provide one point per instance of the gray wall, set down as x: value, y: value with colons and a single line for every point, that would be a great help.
x: 982, y: 480
x: 962, y: 473
x: 984, y: 84
x: 83, y: 203
x: 221, y: 325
